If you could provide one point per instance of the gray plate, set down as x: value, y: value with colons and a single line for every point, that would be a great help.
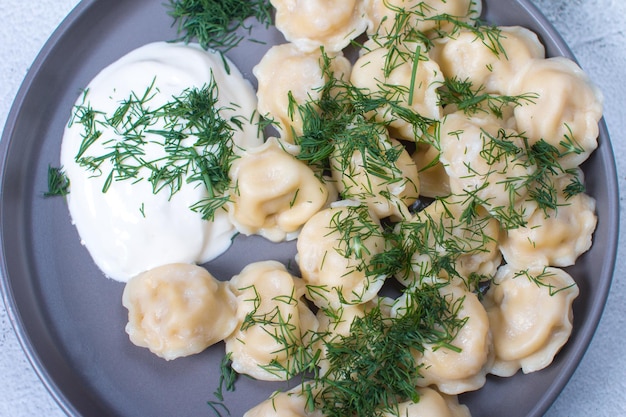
x: 69, y: 318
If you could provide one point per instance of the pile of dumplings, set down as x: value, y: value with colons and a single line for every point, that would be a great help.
x: 468, y: 185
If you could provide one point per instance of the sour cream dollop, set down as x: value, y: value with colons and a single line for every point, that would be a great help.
x: 130, y: 229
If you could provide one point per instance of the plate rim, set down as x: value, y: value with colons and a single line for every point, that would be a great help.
x: 61, y: 399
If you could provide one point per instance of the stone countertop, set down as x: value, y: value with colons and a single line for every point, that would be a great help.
x: 595, y: 31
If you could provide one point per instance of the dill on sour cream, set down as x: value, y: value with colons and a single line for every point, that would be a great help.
x: 147, y: 152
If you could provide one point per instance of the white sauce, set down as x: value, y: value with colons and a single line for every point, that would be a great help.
x: 129, y: 229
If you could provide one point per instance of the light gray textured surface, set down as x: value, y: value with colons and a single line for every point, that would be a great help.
x: 594, y: 29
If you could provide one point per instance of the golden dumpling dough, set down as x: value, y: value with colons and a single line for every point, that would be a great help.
x: 286, y: 71
x: 274, y: 322
x: 567, y: 109
x: 466, y: 57
x: 334, y: 250
x: 553, y: 237
x: 292, y: 403
x: 309, y: 24
x: 430, y: 404
x: 433, y: 179
x: 487, y: 164
x: 396, y: 75
x: 387, y: 188
x: 422, y: 14
x: 530, y: 313
x: 178, y: 309
x: 455, y: 372
x: 275, y: 193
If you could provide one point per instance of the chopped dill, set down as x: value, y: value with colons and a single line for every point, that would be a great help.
x: 374, y: 367
x: 195, y: 139
x: 228, y: 376
x: 58, y: 182
x: 575, y: 187
x: 541, y: 161
x: 214, y: 23
x: 472, y: 100
x: 432, y: 245
x: 540, y: 280
x: 227, y: 380
x: 341, y: 122
x: 292, y: 344
x: 354, y: 226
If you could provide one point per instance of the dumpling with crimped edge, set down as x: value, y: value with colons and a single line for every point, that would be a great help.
x: 489, y: 66
x: 293, y: 403
x: 442, y: 243
x: 274, y: 192
x: 565, y: 112
x: 553, y: 236
x: 382, y: 175
x: 460, y: 365
x: 273, y: 322
x: 431, y: 404
x: 487, y: 165
x: 427, y: 16
x: 530, y: 314
x: 178, y: 310
x: 335, y: 249
x: 311, y: 24
x: 406, y: 79
x: 288, y: 78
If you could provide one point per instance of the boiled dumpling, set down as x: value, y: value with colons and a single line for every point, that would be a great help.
x: 565, y: 112
x: 387, y: 187
x: 178, y: 309
x: 454, y: 371
x: 405, y: 76
x: 530, y: 314
x: 554, y: 237
x: 430, y: 404
x: 292, y: 403
x: 490, y: 68
x: 311, y: 24
x: 274, y: 322
x: 488, y: 166
x: 334, y: 252
x: 423, y: 15
x: 288, y: 78
x: 275, y: 193
x: 438, y: 233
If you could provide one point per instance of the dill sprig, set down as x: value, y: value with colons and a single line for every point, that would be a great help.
x: 431, y: 244
x: 213, y: 23
x: 58, y: 182
x: 227, y: 379
x: 355, y: 226
x: 489, y: 35
x: 342, y: 121
x: 294, y: 354
x: 196, y: 141
x: 541, y: 161
x: 374, y: 367
x: 540, y: 279
x: 471, y: 100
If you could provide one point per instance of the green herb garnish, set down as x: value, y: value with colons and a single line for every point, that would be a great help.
x: 472, y: 100
x: 374, y: 367
x: 58, y: 183
x: 214, y: 23
x: 196, y: 142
